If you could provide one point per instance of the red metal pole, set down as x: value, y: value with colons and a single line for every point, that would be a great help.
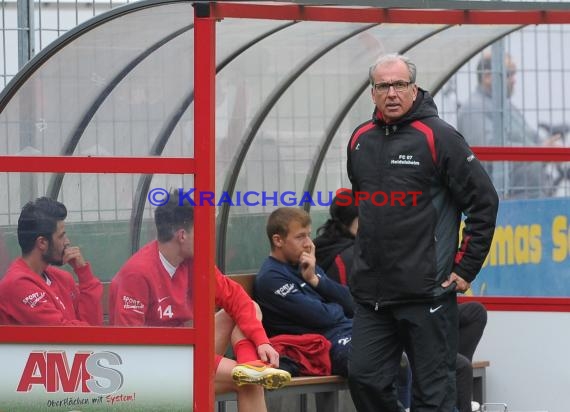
x: 204, y: 231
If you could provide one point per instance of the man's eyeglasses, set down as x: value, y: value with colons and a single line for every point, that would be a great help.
x: 398, y: 86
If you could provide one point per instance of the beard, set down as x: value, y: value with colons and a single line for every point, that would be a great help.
x: 51, y: 258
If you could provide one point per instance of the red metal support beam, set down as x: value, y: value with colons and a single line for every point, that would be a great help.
x: 523, y: 154
x: 392, y: 15
x: 204, y: 232
x: 103, y: 335
x: 184, y: 165
x: 97, y: 164
x: 521, y: 304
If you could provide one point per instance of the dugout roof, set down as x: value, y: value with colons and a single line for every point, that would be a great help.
x: 287, y: 90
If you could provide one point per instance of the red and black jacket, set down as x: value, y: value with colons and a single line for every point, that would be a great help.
x: 334, y: 255
x: 416, y: 177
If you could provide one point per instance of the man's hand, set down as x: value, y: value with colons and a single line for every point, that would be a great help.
x: 307, y: 264
x: 268, y: 354
x: 461, y: 285
x: 73, y: 256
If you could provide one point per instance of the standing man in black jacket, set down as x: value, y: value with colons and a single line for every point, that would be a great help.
x: 413, y: 176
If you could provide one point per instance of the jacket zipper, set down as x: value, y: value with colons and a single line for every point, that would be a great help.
x: 381, y: 154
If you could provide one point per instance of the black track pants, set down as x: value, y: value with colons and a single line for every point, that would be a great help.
x: 428, y: 334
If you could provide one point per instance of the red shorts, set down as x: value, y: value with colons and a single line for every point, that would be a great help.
x: 217, y: 360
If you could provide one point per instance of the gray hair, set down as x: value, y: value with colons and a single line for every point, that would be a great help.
x: 390, y: 58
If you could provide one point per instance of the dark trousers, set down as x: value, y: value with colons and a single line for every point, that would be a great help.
x: 472, y: 322
x: 340, y: 353
x: 464, y: 377
x: 428, y: 334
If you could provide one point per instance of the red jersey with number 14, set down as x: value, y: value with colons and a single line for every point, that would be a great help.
x: 143, y: 293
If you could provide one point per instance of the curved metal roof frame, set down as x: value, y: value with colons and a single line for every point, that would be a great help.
x: 72, y: 142
x: 460, y: 63
x: 258, y: 118
x: 45, y: 54
x: 162, y: 138
x: 160, y: 142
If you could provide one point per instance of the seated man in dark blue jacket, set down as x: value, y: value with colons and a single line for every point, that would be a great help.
x: 295, y: 295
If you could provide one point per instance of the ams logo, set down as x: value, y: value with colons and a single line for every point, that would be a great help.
x: 89, y: 372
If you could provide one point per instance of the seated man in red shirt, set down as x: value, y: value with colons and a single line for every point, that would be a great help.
x: 33, y: 291
x: 154, y: 288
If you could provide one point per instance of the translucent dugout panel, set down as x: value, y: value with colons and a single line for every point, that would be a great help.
x: 54, y: 105
x: 151, y: 111
x: 438, y: 57
x: 133, y: 113
x: 258, y: 75
x: 99, y: 208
